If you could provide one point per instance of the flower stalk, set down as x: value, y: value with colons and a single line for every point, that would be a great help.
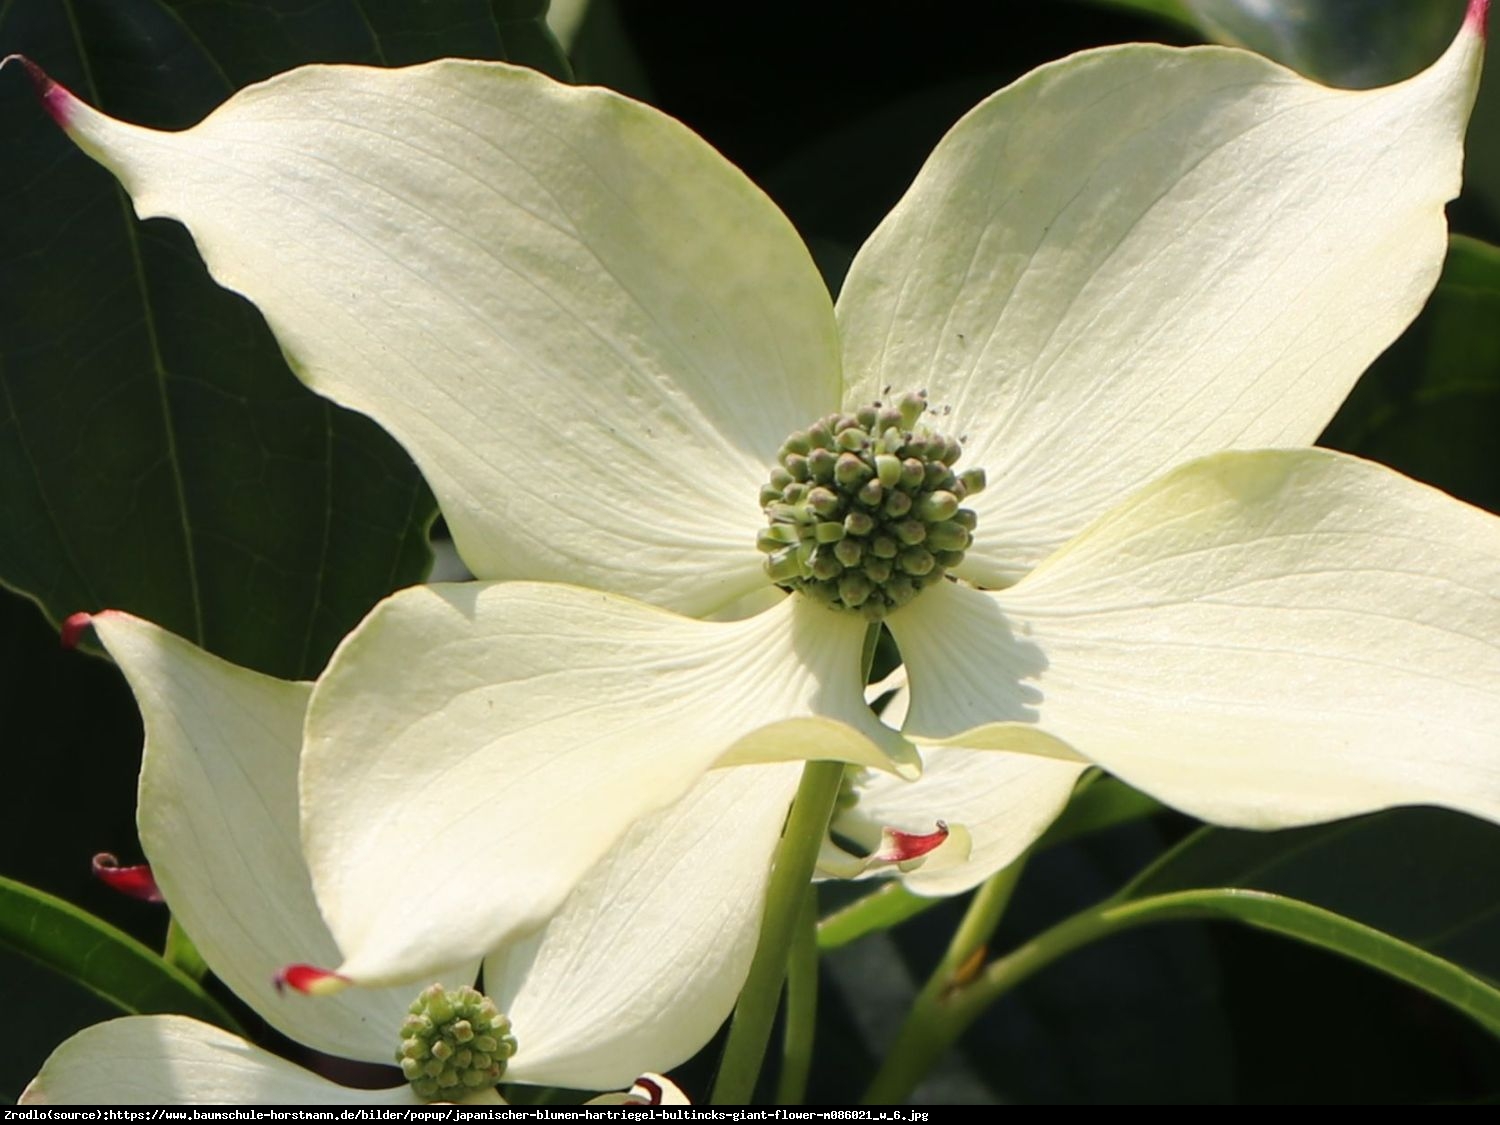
x: 750, y: 1030
x: 801, y: 1018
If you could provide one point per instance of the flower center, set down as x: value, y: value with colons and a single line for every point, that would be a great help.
x: 864, y: 508
x: 453, y: 1042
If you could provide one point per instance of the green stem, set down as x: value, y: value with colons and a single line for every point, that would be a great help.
x: 927, y: 1032
x: 750, y: 1030
x: 801, y: 1019
x: 180, y: 952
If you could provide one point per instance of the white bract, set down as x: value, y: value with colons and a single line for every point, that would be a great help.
x: 627, y: 978
x: 594, y: 334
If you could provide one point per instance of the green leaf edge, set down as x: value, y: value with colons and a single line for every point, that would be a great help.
x: 1318, y: 927
x: 28, y: 914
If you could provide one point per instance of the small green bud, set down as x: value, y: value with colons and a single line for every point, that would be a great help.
x: 888, y: 470
x: 866, y: 416
x: 858, y: 523
x: 973, y: 480
x: 912, y: 405
x: 853, y: 440
x: 910, y: 532
x: 900, y: 590
x: 850, y: 470
x: 829, y: 532
x: 849, y: 551
x: 884, y: 547
x: 870, y: 493
x: 820, y: 463
x: 783, y: 567
x: 938, y: 475
x: 917, y: 561
x: 936, y: 506
x: 826, y: 565
x: 897, y: 504
x: 797, y: 442
x: 949, y: 536
x: 824, y: 501
x: 913, y: 473
x: 855, y: 590
x: 772, y: 539
x: 877, y: 570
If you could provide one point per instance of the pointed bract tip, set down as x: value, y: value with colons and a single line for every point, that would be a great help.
x: 136, y: 881
x: 310, y: 980
x: 56, y: 98
x: 73, y: 627
x: 901, y: 847
x: 1477, y: 18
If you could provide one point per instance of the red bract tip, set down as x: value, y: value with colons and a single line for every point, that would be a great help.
x: 1478, y: 17
x: 309, y: 980
x: 56, y: 98
x: 73, y: 627
x: 899, y: 847
x: 137, y: 881
x: 650, y: 1091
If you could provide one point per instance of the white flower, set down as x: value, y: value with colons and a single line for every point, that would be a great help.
x: 626, y: 979
x: 594, y: 335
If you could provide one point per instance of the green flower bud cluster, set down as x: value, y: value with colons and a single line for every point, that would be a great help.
x: 864, y: 508
x: 453, y: 1043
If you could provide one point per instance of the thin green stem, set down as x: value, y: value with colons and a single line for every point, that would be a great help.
x: 750, y: 1030
x: 925, y: 1034
x: 800, y: 1020
x: 951, y: 1012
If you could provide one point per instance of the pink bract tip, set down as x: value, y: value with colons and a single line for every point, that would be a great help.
x: 903, y: 846
x: 73, y: 627
x: 137, y: 881
x: 1478, y: 17
x: 56, y: 98
x: 309, y: 980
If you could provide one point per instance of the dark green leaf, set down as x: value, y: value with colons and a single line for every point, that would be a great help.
x: 1353, y: 43
x: 109, y: 963
x: 155, y: 453
x: 1431, y: 405
x: 1410, y: 892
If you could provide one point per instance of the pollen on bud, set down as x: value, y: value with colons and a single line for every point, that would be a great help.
x: 453, y: 1040
x: 136, y: 881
